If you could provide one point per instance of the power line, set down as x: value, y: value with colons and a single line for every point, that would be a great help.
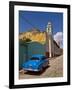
x: 28, y: 21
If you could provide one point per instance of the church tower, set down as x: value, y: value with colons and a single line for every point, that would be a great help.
x: 49, y: 40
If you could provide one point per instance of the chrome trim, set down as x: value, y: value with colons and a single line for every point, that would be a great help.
x: 30, y: 69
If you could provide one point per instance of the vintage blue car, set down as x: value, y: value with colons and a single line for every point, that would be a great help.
x: 36, y: 63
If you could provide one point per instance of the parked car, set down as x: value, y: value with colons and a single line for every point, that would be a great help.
x: 36, y: 63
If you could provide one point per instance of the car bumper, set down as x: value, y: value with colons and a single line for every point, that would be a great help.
x: 28, y: 69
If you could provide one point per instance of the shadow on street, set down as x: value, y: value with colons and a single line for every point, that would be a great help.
x: 36, y: 73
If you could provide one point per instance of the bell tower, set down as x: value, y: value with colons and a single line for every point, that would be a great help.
x: 49, y: 40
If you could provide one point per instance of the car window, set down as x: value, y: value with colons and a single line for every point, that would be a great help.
x: 44, y: 57
x: 34, y: 58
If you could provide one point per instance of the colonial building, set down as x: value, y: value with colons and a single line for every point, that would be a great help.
x: 41, y: 43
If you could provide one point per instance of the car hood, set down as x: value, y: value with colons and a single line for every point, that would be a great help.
x: 33, y: 62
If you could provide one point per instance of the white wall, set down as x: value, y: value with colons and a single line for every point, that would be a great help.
x: 4, y: 45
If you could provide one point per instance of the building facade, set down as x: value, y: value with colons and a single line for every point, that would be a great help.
x: 50, y: 48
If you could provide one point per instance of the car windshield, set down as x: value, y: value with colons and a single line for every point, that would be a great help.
x: 34, y: 58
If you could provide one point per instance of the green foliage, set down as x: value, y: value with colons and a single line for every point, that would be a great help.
x: 24, y: 41
x: 27, y: 40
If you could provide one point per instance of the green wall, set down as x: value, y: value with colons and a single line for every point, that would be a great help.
x: 26, y: 50
x: 35, y: 48
x: 22, y: 54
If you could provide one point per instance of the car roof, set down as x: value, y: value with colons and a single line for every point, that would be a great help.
x: 38, y: 55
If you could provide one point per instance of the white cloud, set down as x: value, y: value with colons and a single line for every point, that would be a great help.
x: 58, y: 37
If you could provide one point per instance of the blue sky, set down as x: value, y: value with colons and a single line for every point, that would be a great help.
x: 34, y: 19
x: 31, y: 19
